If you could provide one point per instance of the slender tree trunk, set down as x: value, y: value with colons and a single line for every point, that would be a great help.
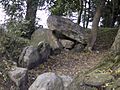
x: 84, y: 17
x: 31, y: 16
x: 87, y: 21
x: 113, y: 20
x: 116, y: 44
x: 112, y: 14
x: 80, y: 12
x: 95, y: 24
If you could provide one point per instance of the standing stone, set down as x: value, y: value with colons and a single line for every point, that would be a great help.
x: 32, y: 56
x: 29, y: 58
x: 44, y: 35
x: 44, y: 50
x: 19, y: 77
x: 47, y: 81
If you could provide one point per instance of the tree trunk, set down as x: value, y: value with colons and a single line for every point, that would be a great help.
x: 112, y: 14
x: 95, y: 24
x: 80, y: 12
x: 116, y: 44
x: 87, y: 21
x: 31, y: 16
x: 84, y: 17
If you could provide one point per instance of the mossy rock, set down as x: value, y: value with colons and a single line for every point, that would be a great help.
x: 101, y: 76
x: 115, y: 85
x: 97, y: 78
x: 11, y: 47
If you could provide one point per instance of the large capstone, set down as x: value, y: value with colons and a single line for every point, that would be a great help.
x: 65, y: 29
x: 60, y: 23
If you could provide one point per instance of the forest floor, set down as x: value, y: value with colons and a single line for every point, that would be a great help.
x: 68, y: 63
x: 71, y: 63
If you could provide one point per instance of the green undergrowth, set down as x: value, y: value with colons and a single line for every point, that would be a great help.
x: 105, y: 38
x: 108, y: 64
x: 11, y: 46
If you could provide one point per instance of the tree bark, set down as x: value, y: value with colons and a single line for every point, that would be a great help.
x: 95, y: 24
x: 113, y: 18
x: 84, y: 17
x: 31, y: 16
x: 87, y: 21
x: 80, y: 12
x: 116, y: 44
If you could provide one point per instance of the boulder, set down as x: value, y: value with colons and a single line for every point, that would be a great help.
x: 44, y: 35
x: 29, y: 57
x: 94, y: 80
x: 34, y: 56
x: 65, y: 29
x: 44, y: 50
x: 60, y: 23
x: 78, y: 48
x: 67, y: 44
x: 66, y: 81
x: 47, y: 81
x: 77, y: 83
x: 19, y: 77
x: 98, y: 79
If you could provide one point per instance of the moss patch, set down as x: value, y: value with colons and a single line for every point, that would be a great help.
x: 105, y: 38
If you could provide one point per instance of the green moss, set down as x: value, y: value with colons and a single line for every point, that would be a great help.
x: 105, y: 38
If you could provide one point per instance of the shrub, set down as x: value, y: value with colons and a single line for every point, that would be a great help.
x: 11, y: 46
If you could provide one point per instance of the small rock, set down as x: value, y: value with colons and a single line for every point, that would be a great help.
x: 78, y: 48
x: 47, y: 81
x: 67, y: 44
x: 19, y: 77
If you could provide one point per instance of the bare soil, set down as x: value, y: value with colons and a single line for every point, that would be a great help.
x: 68, y: 63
